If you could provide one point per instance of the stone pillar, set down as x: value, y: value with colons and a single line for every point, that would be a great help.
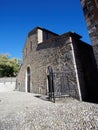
x: 90, y: 9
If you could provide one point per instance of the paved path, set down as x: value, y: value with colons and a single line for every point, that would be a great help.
x: 23, y: 111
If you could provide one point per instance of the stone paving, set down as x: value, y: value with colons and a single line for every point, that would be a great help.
x: 24, y: 111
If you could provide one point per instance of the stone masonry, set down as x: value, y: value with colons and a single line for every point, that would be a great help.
x: 90, y: 9
x: 70, y: 59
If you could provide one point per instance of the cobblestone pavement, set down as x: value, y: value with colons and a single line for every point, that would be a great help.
x: 23, y: 111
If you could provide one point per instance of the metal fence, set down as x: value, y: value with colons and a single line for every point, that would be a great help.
x: 59, y: 86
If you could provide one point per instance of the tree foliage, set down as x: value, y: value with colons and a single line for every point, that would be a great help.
x: 8, y: 67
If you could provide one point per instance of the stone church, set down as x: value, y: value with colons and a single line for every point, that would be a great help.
x: 64, y: 62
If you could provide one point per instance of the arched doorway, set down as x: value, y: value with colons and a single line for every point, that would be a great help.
x: 28, y: 79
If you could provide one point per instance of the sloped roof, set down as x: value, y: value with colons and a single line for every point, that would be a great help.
x: 36, y: 28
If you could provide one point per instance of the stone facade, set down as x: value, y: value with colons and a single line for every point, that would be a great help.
x: 66, y: 54
x: 90, y: 9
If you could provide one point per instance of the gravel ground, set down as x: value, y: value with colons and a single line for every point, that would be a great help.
x: 24, y: 111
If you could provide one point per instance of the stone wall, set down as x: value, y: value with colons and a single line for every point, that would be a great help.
x: 55, y: 52
x: 7, y: 84
x: 90, y: 9
x: 68, y: 56
x: 95, y: 48
x: 87, y: 71
x: 28, y: 57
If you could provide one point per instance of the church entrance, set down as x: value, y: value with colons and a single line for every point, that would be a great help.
x: 28, y: 79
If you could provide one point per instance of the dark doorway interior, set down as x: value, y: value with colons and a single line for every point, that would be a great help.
x: 28, y: 79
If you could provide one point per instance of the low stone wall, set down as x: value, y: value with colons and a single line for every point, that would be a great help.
x: 7, y: 84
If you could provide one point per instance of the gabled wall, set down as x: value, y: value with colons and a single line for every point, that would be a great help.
x: 55, y: 52
x: 68, y: 56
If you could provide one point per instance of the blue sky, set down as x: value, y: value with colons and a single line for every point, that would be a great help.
x: 18, y: 17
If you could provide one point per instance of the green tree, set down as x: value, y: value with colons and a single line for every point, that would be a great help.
x: 9, y: 67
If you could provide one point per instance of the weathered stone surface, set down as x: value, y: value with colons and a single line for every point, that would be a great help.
x: 56, y: 52
x: 66, y: 54
x: 90, y: 9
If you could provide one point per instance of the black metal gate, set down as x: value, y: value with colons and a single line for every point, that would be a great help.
x: 58, y: 85
x: 51, y: 84
x: 61, y: 84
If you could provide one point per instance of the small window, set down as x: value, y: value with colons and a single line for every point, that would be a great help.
x: 26, y: 52
x: 30, y: 45
x: 40, y: 36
